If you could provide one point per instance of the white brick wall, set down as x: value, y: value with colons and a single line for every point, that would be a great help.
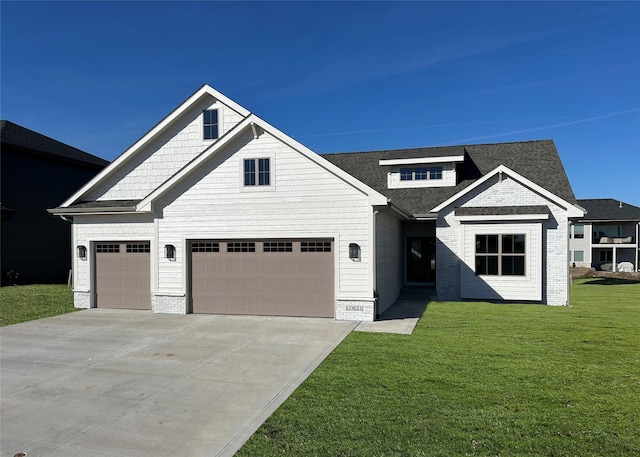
x: 82, y: 299
x: 504, y: 193
x: 171, y: 304
x: 355, y: 310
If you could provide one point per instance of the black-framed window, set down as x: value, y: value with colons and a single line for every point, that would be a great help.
x: 138, y: 247
x: 257, y: 172
x: 210, y: 124
x: 277, y: 246
x: 500, y: 255
x: 420, y: 173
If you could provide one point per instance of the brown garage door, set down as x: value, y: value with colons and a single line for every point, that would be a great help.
x: 123, y: 275
x: 263, y: 277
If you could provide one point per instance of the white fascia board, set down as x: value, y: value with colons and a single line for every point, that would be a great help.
x: 204, y: 91
x: 375, y: 197
x: 572, y: 210
x: 146, y: 203
x: 503, y: 217
x: 419, y: 160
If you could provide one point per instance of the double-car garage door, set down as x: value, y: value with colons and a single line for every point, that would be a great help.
x: 259, y: 277
x: 265, y: 277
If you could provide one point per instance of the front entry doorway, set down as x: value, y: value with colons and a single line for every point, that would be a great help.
x: 421, y: 260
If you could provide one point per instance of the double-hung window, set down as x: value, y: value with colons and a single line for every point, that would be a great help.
x: 210, y: 124
x: 500, y: 255
x: 257, y: 172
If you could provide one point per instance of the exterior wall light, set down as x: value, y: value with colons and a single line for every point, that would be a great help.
x: 354, y: 251
x: 82, y: 252
x: 170, y: 251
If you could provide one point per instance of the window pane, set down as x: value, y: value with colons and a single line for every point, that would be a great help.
x: 481, y: 265
x: 578, y: 231
x: 481, y: 244
x: 406, y: 174
x: 507, y: 244
x: 263, y: 172
x: 210, y: 124
x: 420, y: 173
x: 249, y: 172
x: 492, y: 244
x: 435, y: 173
x: 518, y: 244
x: 512, y: 265
x: 578, y: 256
x: 492, y: 265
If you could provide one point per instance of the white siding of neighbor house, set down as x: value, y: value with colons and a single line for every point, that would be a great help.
x: 389, y: 258
x: 93, y: 228
x: 165, y: 155
x: 507, y: 192
x: 581, y: 244
x: 304, y: 201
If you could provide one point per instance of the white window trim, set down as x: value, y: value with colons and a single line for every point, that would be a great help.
x: 218, y: 107
x: 272, y: 173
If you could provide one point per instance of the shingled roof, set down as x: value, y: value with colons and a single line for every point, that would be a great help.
x: 609, y: 209
x: 23, y: 138
x: 537, y: 161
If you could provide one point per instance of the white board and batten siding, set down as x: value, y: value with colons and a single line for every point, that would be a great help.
x: 304, y: 200
x: 166, y: 154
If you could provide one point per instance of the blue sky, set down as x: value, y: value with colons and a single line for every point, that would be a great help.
x: 340, y: 76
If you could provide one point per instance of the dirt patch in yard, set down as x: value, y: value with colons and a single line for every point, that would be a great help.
x: 578, y: 273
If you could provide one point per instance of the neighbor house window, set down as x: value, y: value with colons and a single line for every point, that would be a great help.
x: 500, y: 255
x: 420, y: 173
x: 578, y: 231
x: 210, y: 124
x: 257, y: 172
x: 578, y: 256
x: 606, y: 256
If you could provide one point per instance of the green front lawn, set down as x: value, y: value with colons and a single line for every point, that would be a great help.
x: 477, y: 379
x: 26, y: 303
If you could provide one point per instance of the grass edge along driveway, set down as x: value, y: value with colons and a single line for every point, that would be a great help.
x: 477, y: 379
x: 27, y: 303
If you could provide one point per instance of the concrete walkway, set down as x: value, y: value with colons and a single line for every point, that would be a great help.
x: 106, y: 383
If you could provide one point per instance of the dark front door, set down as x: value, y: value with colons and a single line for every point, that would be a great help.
x: 421, y: 259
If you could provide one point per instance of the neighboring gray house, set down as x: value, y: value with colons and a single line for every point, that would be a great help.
x: 606, y: 238
x: 37, y: 173
x: 216, y: 211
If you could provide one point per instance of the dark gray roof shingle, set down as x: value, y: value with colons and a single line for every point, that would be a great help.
x: 599, y: 209
x: 537, y: 161
x: 18, y: 136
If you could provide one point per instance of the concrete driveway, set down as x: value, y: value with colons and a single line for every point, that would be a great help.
x: 131, y: 383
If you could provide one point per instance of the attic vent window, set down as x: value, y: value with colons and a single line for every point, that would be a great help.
x: 420, y: 173
x: 210, y: 124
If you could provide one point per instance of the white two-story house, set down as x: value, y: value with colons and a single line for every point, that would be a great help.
x: 606, y: 238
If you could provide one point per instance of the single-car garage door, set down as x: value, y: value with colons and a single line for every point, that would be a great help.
x: 123, y: 275
x: 263, y: 277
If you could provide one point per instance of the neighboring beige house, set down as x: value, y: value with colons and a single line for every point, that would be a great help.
x: 606, y: 238
x: 216, y: 211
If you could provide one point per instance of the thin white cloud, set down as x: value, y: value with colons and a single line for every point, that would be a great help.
x: 548, y: 127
